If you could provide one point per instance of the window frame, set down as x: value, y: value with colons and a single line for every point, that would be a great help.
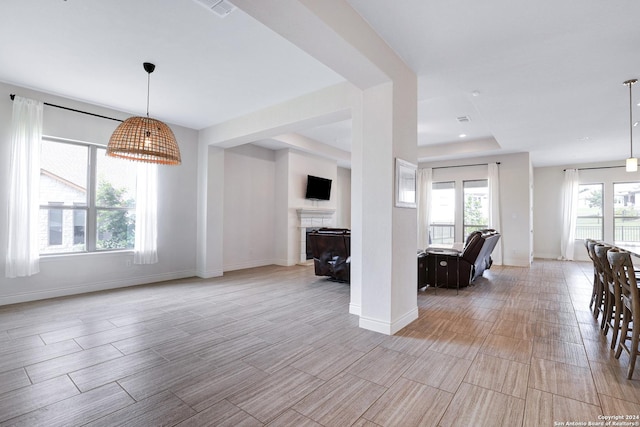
x: 452, y: 226
x: 90, y: 207
x: 75, y: 216
x: 474, y: 227
x: 602, y: 210
x: 55, y: 208
x: 614, y: 216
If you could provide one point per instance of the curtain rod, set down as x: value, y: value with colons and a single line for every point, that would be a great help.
x: 462, y: 166
x: 13, y: 95
x: 601, y: 167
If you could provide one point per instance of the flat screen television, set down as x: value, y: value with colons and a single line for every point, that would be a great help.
x: 318, y: 188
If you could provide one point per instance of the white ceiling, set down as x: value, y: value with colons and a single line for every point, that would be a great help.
x: 548, y: 74
x: 543, y: 77
x: 208, y: 69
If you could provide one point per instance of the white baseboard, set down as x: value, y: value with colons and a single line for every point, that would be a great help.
x: 94, y: 287
x: 248, y: 264
x: 546, y: 255
x: 355, y: 309
x: 208, y: 274
x: 516, y: 261
x: 404, y: 320
x: 388, y: 328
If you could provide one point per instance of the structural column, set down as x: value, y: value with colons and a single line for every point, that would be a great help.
x: 384, y: 113
x: 210, y: 210
x: 384, y: 257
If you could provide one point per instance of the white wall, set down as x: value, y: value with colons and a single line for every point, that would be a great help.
x: 343, y: 198
x: 515, y: 188
x: 548, y: 183
x: 299, y: 166
x: 281, y: 225
x: 303, y: 164
x: 547, y: 211
x: 70, y: 274
x: 262, y: 192
x: 249, y: 207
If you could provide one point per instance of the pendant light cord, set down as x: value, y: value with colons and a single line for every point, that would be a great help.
x: 148, y: 67
x: 630, y: 83
x: 149, y: 86
x: 630, y: 119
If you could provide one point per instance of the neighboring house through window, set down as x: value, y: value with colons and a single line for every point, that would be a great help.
x: 55, y: 224
x: 79, y: 226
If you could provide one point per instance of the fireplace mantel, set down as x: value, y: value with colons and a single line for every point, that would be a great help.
x: 315, y: 213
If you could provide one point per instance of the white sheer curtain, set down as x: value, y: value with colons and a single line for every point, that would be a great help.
x: 146, y: 245
x: 494, y: 209
x: 425, y: 178
x: 23, y: 257
x: 569, y: 213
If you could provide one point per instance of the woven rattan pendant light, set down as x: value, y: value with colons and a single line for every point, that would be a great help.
x: 144, y: 139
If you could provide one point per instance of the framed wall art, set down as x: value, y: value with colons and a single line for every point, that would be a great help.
x: 405, y: 184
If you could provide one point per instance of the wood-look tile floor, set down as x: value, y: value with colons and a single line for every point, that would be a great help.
x: 276, y: 346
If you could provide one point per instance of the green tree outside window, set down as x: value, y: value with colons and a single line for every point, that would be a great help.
x: 116, y: 227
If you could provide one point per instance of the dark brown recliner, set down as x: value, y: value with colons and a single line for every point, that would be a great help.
x: 331, y: 251
x: 484, y: 260
x: 457, y: 269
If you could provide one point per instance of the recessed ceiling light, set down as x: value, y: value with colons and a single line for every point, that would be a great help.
x: 475, y: 93
x: 463, y: 135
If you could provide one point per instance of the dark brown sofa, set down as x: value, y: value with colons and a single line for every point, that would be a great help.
x: 447, y: 268
x: 331, y: 251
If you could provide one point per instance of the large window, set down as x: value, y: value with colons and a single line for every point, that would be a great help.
x: 626, y: 212
x: 590, y: 223
x: 476, y: 206
x: 443, y: 212
x: 87, y: 200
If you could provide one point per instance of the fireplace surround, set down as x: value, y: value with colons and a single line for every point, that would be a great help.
x: 312, y: 219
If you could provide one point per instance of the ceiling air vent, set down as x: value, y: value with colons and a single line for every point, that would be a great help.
x: 464, y: 119
x: 220, y: 7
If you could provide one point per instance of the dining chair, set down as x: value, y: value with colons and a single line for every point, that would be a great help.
x: 623, y: 273
x: 612, y: 313
x: 597, y: 294
x: 593, y: 292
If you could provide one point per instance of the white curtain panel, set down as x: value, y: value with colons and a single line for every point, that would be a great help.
x: 569, y: 213
x: 146, y: 245
x: 23, y: 253
x: 494, y: 209
x: 425, y: 178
